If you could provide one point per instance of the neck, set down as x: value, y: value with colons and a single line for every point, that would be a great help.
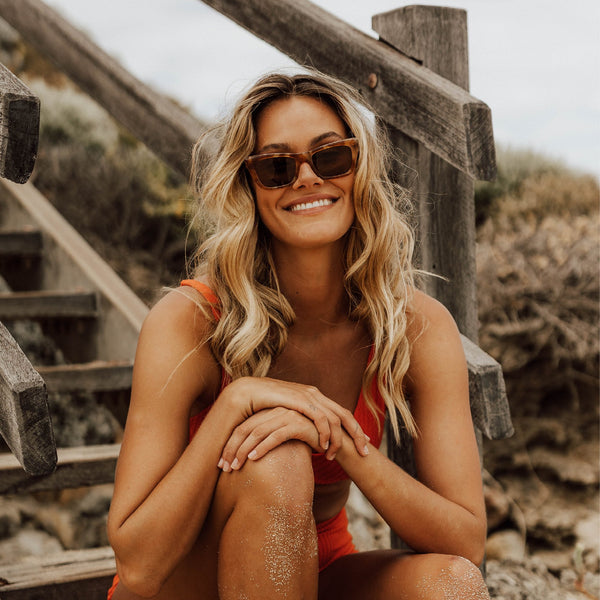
x: 313, y: 282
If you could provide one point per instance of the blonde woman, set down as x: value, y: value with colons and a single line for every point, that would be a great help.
x: 261, y: 384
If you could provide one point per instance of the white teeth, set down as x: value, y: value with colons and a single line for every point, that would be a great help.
x: 308, y: 205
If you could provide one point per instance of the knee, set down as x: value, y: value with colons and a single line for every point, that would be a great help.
x: 446, y: 576
x: 283, y: 477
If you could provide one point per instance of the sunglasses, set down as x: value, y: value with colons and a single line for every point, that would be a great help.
x: 277, y: 170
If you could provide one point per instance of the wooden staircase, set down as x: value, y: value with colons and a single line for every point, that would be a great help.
x: 50, y: 275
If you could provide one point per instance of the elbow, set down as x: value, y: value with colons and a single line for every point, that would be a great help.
x: 134, y: 575
x: 477, y: 554
x: 139, y: 582
x: 475, y: 551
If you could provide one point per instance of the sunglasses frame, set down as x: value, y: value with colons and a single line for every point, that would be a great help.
x: 302, y: 157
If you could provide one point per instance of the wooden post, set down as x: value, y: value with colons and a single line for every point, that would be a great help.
x: 436, y: 37
x: 19, y: 127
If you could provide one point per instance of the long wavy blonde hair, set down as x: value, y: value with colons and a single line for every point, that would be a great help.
x: 236, y: 259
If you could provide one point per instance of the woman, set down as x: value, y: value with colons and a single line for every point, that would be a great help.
x: 260, y: 385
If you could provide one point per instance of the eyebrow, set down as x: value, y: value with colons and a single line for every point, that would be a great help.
x: 282, y: 147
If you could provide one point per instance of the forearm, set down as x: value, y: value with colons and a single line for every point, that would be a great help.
x: 424, y: 519
x: 153, y: 539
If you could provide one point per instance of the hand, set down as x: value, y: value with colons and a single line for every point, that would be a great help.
x: 266, y: 430
x: 251, y: 395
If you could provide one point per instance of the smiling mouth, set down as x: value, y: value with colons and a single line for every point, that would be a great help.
x: 308, y: 205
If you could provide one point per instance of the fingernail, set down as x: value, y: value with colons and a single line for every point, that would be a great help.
x: 220, y: 463
x: 326, y: 445
x: 252, y: 455
x: 368, y: 438
x: 332, y: 457
x: 226, y: 467
x: 366, y: 450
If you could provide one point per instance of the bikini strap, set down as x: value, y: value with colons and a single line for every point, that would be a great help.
x: 206, y: 293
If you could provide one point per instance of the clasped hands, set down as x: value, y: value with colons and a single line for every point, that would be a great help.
x: 272, y: 412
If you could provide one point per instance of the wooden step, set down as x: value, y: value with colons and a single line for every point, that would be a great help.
x: 76, y: 467
x: 73, y: 574
x: 96, y: 376
x: 47, y: 304
x: 26, y: 243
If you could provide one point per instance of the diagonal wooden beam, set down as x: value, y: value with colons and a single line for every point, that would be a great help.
x: 166, y: 128
x: 445, y: 118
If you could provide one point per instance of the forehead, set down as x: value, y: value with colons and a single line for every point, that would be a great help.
x: 296, y: 120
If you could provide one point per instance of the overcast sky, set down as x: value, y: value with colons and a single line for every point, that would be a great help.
x: 536, y: 63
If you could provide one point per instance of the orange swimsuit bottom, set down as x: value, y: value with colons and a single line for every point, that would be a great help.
x: 334, y: 539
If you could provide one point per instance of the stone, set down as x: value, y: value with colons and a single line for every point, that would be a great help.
x: 507, y: 544
x: 28, y: 542
x: 497, y: 502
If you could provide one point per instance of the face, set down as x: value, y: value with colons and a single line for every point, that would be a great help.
x: 310, y: 212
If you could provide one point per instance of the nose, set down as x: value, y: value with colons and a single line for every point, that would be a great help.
x: 306, y: 176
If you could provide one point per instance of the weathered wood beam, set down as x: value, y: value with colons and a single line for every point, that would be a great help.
x: 48, y: 304
x: 423, y: 105
x: 24, y: 417
x: 74, y: 574
x: 97, y: 376
x: 487, y: 393
x: 166, y: 128
x: 19, y: 127
x: 76, y: 467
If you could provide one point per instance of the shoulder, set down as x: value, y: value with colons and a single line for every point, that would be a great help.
x: 180, y: 312
x: 434, y: 339
x: 173, y: 343
x: 427, y: 316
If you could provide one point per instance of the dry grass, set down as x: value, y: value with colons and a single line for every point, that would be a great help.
x: 538, y: 257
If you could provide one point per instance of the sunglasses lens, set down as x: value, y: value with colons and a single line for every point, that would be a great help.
x: 333, y: 162
x: 275, y: 172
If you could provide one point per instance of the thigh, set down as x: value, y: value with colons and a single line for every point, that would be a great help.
x: 277, y: 476
x: 400, y: 575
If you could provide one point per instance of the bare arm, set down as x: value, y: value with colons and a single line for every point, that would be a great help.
x: 157, y: 469
x: 444, y: 511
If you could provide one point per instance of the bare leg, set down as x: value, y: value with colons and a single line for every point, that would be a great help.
x: 268, y: 547
x: 392, y: 575
x: 259, y: 541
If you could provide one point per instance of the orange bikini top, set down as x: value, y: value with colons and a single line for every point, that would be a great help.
x: 325, y: 471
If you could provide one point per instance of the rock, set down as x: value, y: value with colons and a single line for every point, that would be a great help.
x: 96, y: 502
x: 369, y: 531
x: 567, y: 469
x: 555, y: 560
x: 505, y: 545
x: 28, y: 542
x: 497, y: 502
x: 60, y: 523
x: 587, y: 532
x: 10, y: 518
x: 530, y: 580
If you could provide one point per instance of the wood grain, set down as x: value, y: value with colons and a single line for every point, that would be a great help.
x: 19, y: 127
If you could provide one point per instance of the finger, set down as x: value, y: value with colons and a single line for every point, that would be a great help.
x: 307, y: 400
x: 306, y: 433
x: 352, y: 426
x: 251, y: 427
